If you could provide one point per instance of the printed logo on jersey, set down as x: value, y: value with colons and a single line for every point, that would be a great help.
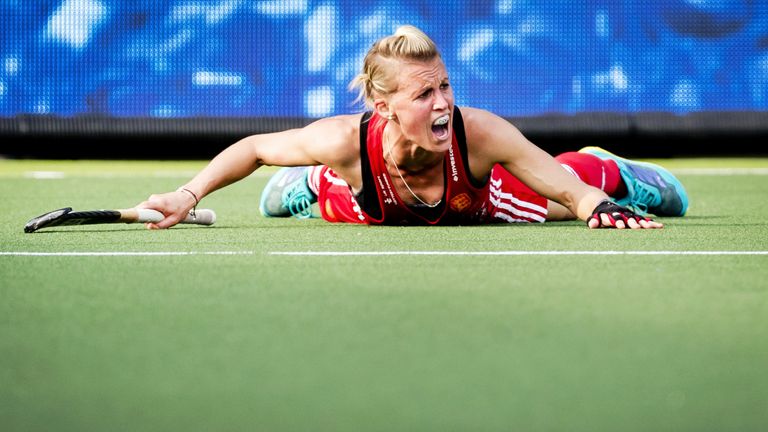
x: 386, y: 190
x: 460, y: 202
x: 454, y: 170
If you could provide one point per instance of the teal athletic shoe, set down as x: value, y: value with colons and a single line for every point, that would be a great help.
x: 287, y: 193
x: 652, y: 189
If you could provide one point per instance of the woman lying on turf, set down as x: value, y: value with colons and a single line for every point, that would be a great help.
x: 415, y: 158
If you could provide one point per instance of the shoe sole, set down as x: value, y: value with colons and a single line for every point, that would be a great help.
x: 262, y: 206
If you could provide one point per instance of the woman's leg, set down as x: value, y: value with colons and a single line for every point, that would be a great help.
x: 602, y: 174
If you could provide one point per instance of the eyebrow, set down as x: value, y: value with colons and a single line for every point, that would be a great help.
x: 428, y: 85
x: 422, y: 89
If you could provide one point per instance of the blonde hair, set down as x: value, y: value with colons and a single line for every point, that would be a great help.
x: 407, y: 44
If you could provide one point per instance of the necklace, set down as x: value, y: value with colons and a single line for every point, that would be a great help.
x: 392, y: 158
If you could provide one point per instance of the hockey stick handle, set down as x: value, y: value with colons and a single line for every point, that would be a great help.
x: 140, y: 215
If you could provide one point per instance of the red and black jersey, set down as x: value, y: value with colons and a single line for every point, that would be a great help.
x: 500, y: 198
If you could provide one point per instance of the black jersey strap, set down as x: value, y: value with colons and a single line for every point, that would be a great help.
x: 461, y: 140
x: 367, y: 198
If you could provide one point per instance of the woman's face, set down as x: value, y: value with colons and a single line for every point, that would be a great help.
x: 423, y: 104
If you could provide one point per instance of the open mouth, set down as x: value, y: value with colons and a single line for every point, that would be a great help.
x: 440, y: 127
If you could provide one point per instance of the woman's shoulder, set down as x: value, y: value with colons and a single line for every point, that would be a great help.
x: 481, y: 124
x: 340, y: 124
x: 490, y: 138
x: 479, y: 117
x: 342, y: 128
x: 336, y: 130
x: 336, y: 137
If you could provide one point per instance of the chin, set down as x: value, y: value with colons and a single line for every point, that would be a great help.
x: 442, y: 145
x: 445, y: 143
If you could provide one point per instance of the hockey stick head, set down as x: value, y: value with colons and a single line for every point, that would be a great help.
x: 47, y: 219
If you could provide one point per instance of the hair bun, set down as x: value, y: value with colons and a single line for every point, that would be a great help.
x: 405, y: 30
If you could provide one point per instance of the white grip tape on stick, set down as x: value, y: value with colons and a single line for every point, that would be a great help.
x: 201, y: 217
x: 148, y: 215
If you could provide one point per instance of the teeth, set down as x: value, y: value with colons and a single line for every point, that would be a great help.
x: 441, y: 121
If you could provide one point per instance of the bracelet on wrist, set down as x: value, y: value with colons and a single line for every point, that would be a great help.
x: 194, y: 196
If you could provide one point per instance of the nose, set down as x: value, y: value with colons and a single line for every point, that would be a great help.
x: 440, y: 103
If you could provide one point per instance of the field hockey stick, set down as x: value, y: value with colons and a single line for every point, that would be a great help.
x: 66, y: 216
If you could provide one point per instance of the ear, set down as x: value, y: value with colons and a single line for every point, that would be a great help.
x: 382, y: 108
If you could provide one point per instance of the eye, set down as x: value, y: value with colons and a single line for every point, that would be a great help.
x: 444, y: 86
x: 425, y: 94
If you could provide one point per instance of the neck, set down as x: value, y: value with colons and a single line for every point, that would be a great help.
x: 421, y: 162
x: 408, y: 155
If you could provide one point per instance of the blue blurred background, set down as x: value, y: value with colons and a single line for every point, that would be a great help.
x: 294, y: 58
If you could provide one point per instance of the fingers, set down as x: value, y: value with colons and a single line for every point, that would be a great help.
x: 593, y: 223
x: 620, y: 221
x: 169, y: 221
x: 154, y: 203
x: 651, y: 224
x: 608, y: 214
x: 604, y: 220
x: 644, y: 223
x: 172, y: 205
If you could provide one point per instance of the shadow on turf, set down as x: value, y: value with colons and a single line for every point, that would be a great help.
x: 686, y: 221
x: 136, y: 229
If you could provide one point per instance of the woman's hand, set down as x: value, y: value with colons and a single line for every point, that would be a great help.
x: 175, y: 206
x: 608, y: 214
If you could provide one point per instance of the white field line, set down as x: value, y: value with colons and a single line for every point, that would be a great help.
x: 120, y: 254
x: 382, y: 253
x: 512, y: 253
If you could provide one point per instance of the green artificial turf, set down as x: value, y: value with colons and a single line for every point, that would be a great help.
x: 257, y: 341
